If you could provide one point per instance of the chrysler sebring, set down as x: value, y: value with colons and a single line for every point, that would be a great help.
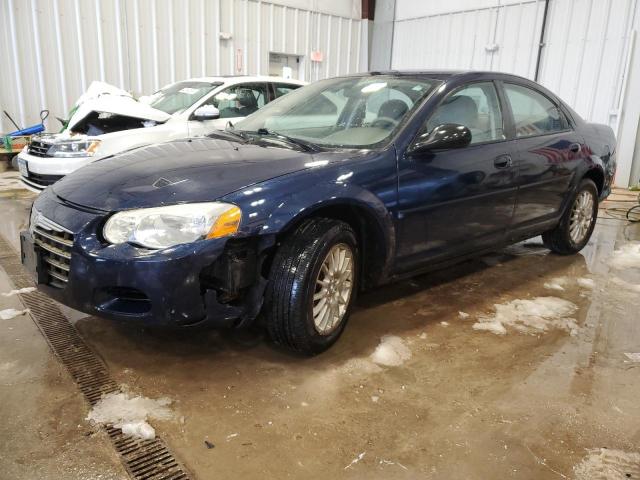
x: 341, y: 185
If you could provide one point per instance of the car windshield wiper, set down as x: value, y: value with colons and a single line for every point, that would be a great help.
x: 226, y: 134
x: 308, y: 146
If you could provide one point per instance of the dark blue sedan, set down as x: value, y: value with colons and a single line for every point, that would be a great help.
x: 339, y: 186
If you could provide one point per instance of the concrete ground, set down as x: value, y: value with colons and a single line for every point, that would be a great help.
x: 459, y: 403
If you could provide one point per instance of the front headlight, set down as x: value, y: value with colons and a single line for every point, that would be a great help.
x: 74, y: 148
x: 164, y: 227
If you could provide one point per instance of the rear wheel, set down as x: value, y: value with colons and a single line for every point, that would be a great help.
x: 577, y: 223
x: 312, y: 286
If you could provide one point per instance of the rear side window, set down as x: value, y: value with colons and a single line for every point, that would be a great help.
x: 284, y: 88
x: 533, y: 113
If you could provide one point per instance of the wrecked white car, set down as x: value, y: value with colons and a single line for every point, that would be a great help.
x: 107, y: 120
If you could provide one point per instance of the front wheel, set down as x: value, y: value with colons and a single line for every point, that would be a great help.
x: 312, y: 285
x: 577, y: 224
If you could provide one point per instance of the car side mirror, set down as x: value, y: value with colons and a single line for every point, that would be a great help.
x: 206, y: 112
x: 443, y: 137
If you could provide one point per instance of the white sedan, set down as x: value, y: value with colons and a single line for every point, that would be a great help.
x: 107, y: 120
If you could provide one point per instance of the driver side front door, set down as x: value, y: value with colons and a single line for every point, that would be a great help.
x: 455, y: 201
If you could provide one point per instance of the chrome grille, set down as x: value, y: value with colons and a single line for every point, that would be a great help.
x: 55, y: 243
x: 38, y: 148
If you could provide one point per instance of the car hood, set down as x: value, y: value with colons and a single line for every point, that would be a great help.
x: 103, y: 98
x: 189, y: 170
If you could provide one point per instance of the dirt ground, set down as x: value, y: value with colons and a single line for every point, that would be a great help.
x: 460, y: 402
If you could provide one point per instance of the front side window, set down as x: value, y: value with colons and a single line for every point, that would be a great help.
x: 354, y: 112
x: 239, y: 100
x: 178, y: 97
x: 533, y: 113
x: 475, y: 106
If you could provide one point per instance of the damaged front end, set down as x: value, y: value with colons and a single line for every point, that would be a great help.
x: 103, y: 109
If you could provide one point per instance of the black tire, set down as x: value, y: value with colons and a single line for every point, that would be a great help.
x: 292, y: 283
x: 559, y: 240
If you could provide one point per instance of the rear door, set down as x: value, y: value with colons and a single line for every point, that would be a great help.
x: 548, y: 151
x: 458, y: 200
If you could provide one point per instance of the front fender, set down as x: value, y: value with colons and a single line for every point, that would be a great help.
x: 268, y: 210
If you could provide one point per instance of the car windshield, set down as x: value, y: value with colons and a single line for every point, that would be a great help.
x: 179, y: 96
x: 352, y: 112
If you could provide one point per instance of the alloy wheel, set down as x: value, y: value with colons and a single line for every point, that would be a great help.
x: 581, y: 217
x: 333, y: 289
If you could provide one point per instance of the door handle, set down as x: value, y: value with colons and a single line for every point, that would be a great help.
x: 503, y: 161
x: 575, y: 147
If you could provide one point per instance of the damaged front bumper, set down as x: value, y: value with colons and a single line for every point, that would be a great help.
x: 210, y: 281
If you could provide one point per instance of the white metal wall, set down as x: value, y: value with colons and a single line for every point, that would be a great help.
x: 53, y: 49
x: 586, y: 57
x: 502, y: 37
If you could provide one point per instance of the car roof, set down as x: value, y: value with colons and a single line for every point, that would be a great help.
x: 441, y: 74
x: 228, y: 79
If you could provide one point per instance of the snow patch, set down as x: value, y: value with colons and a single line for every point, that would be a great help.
x: 10, y: 313
x: 463, y: 315
x: 530, y: 316
x: 20, y: 290
x: 139, y: 429
x: 586, y: 283
x: 627, y: 256
x: 554, y: 285
x: 391, y: 352
x: 606, y: 464
x: 130, y: 413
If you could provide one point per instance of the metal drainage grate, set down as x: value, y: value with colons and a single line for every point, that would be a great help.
x: 143, y: 459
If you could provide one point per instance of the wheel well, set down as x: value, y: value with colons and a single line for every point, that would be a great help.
x: 371, y: 239
x: 598, y: 178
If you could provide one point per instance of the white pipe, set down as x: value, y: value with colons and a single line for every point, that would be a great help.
x: 203, y: 39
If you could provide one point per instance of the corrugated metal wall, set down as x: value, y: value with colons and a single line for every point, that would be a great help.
x: 585, y: 59
x: 503, y: 37
x: 53, y: 49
